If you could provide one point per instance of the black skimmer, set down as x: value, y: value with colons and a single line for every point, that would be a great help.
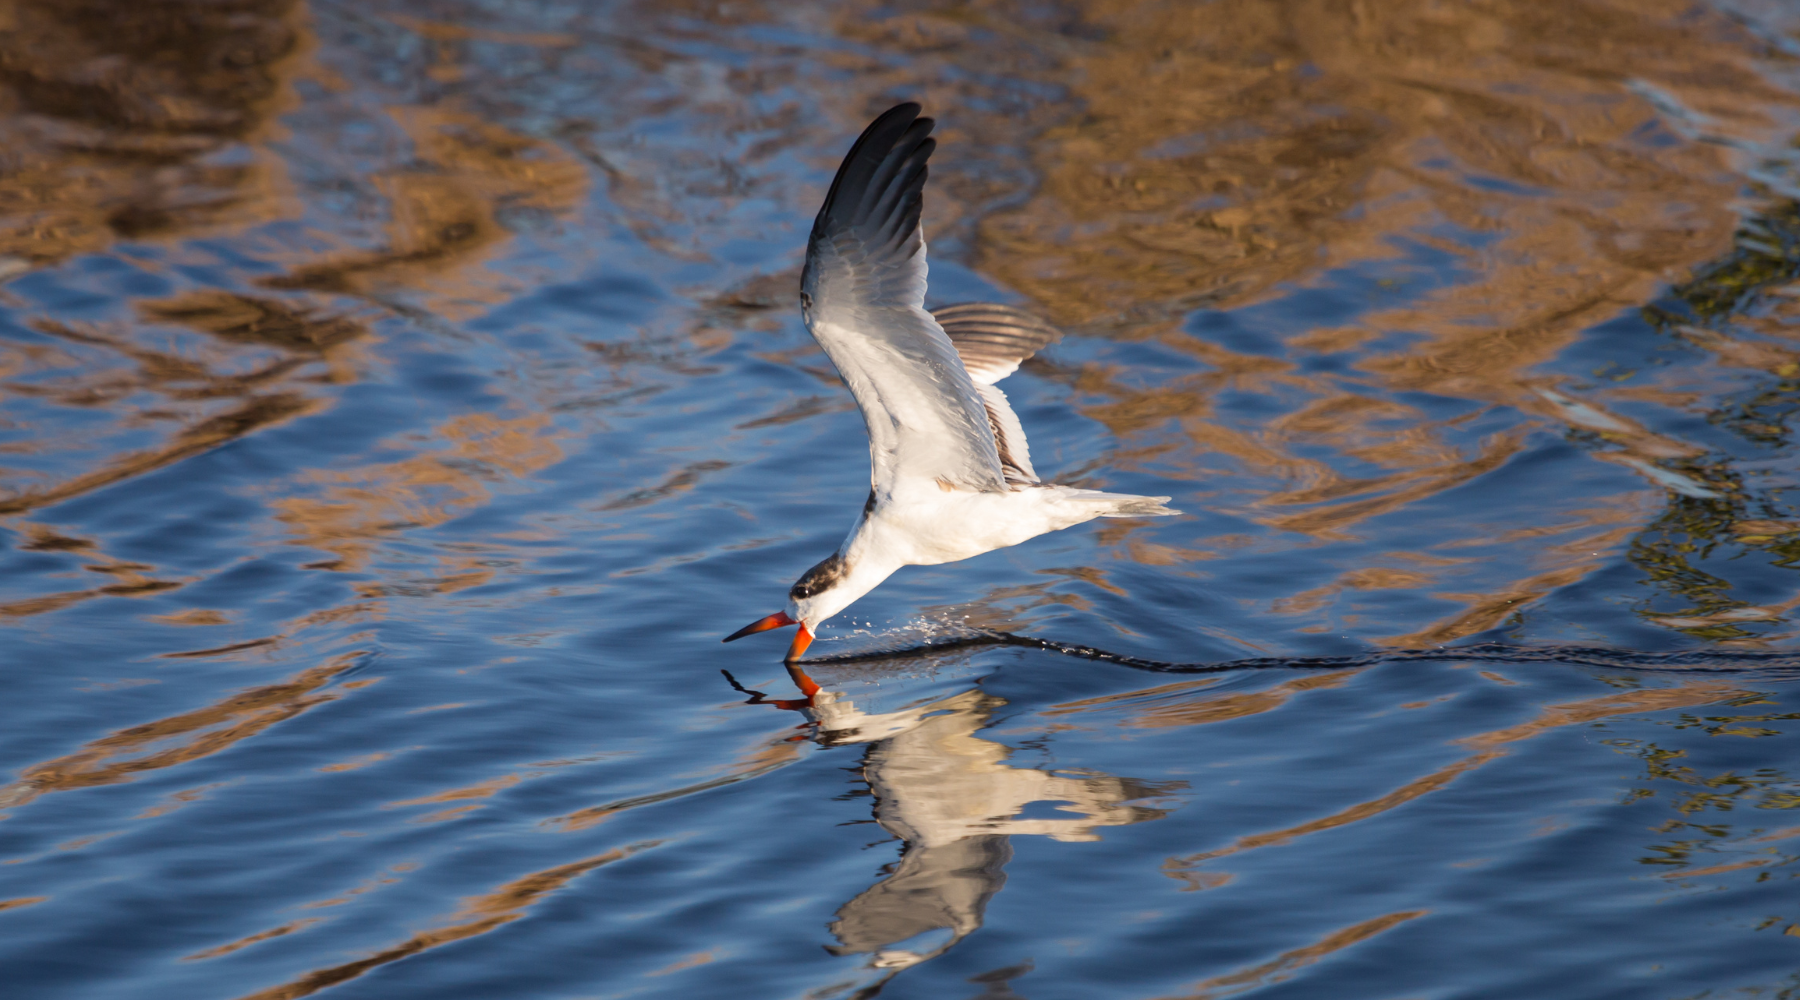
x: 951, y: 475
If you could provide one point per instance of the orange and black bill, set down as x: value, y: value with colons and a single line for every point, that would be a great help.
x: 776, y: 620
x: 802, y: 639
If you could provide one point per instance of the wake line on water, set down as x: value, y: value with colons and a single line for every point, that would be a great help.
x: 1498, y: 652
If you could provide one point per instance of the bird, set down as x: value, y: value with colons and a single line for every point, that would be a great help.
x: 950, y: 470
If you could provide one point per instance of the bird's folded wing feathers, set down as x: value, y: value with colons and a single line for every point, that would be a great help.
x: 1009, y: 436
x: 863, y: 294
x: 992, y: 340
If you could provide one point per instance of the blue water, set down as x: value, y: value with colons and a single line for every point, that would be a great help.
x: 399, y: 401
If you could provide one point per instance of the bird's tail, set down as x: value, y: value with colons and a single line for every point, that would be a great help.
x: 1118, y: 504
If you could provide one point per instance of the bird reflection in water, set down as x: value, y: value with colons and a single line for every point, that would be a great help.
x: 953, y: 800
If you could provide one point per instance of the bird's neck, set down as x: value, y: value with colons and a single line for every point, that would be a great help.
x: 867, y: 562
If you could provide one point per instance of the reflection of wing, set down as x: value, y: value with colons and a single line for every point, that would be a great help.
x: 992, y: 340
x: 863, y: 293
x: 947, y: 886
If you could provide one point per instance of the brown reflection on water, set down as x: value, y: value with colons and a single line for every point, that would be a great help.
x: 1490, y: 746
x: 1490, y: 609
x: 178, y: 738
x: 1163, y: 712
x: 257, y: 938
x: 131, y: 579
x: 763, y: 756
x: 251, y: 374
x: 248, y: 319
x: 444, y: 209
x: 1330, y: 520
x: 1271, y: 120
x: 1285, y: 965
x: 479, y: 915
x: 479, y: 790
x: 147, y: 124
x: 353, y: 510
x: 117, y: 131
x: 1566, y: 561
x: 109, y: 112
x: 188, y: 442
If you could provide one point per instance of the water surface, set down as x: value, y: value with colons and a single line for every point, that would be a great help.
x: 399, y: 399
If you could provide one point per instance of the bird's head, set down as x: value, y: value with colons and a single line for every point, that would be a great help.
x: 821, y: 592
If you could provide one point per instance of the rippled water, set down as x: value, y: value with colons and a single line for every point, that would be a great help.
x: 399, y: 399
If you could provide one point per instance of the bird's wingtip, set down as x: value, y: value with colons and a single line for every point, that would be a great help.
x: 877, y: 187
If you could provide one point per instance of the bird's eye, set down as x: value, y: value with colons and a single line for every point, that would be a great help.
x: 805, y: 302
